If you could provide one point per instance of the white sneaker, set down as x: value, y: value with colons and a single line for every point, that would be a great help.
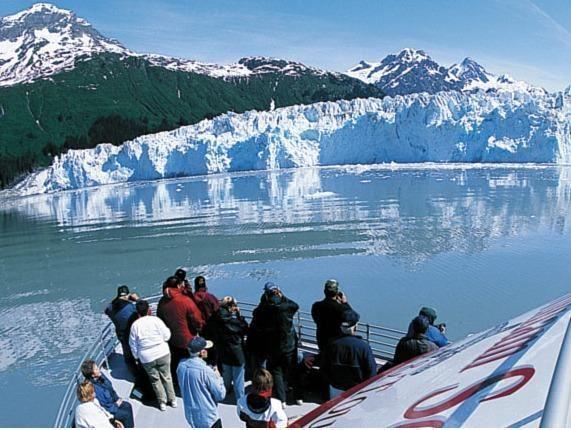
x: 174, y: 404
x: 299, y: 402
x: 284, y: 404
x: 163, y: 407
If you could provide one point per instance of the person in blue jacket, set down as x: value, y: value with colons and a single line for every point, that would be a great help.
x: 119, y: 311
x: 201, y: 386
x: 434, y: 334
x: 106, y: 394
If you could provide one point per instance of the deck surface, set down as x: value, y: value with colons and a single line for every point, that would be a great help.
x: 150, y: 416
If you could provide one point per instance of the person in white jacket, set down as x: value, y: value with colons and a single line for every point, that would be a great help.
x: 148, y: 341
x: 259, y: 409
x: 89, y: 413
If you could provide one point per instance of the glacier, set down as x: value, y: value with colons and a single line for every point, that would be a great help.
x: 448, y: 127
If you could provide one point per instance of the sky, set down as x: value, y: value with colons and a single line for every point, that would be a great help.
x: 528, y: 39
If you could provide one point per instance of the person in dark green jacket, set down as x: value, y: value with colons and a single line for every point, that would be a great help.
x: 231, y: 328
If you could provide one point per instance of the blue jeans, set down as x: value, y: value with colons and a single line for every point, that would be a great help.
x: 234, y: 374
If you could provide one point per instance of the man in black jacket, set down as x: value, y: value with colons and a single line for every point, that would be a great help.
x: 348, y: 359
x: 415, y: 343
x: 328, y: 313
x: 275, y: 316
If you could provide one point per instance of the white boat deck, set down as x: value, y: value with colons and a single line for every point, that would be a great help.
x: 147, y: 416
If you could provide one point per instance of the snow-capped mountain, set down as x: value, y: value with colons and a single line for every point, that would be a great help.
x: 412, y: 71
x: 44, y: 40
x: 409, y: 71
x: 502, y: 126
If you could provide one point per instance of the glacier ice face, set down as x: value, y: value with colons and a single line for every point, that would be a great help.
x: 501, y: 127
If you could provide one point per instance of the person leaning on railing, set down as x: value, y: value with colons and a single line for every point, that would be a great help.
x: 89, y: 413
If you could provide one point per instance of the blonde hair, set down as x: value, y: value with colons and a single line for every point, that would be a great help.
x: 262, y: 381
x: 85, y: 392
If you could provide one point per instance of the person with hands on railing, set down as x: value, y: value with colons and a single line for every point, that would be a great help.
x: 106, y: 394
x: 89, y: 413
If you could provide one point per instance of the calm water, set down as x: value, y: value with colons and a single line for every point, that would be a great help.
x: 481, y: 245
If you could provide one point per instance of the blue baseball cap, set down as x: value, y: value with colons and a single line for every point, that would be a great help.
x: 270, y: 286
x: 198, y: 343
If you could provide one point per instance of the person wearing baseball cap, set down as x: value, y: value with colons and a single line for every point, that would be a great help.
x: 327, y: 313
x: 433, y: 333
x: 201, y: 386
x: 348, y: 359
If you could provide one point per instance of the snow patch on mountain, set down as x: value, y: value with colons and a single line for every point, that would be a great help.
x: 500, y: 127
x: 245, y: 67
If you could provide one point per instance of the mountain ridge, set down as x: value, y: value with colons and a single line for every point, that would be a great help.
x: 413, y: 71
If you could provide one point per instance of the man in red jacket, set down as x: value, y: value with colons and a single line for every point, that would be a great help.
x: 181, y: 315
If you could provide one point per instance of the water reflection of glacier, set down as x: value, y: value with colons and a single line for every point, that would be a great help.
x: 411, y: 213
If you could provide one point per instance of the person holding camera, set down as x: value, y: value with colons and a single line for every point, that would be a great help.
x: 328, y: 313
x: 277, y: 339
x: 119, y: 311
x: 232, y: 328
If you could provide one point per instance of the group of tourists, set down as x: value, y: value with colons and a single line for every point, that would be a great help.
x: 203, y: 348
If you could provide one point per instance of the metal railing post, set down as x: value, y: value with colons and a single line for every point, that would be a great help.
x: 556, y: 409
x: 299, y: 326
x: 103, y: 350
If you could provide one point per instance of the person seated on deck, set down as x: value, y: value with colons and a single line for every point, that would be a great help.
x: 148, y: 340
x: 181, y: 315
x: 328, y: 313
x: 434, y: 334
x: 258, y: 409
x: 416, y: 343
x: 201, y: 386
x: 231, y: 327
x: 89, y: 413
x: 208, y: 305
x: 348, y: 359
x: 119, y: 311
x: 106, y: 395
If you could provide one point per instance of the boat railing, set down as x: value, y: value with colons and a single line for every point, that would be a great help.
x: 383, y: 342
x: 557, y: 404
